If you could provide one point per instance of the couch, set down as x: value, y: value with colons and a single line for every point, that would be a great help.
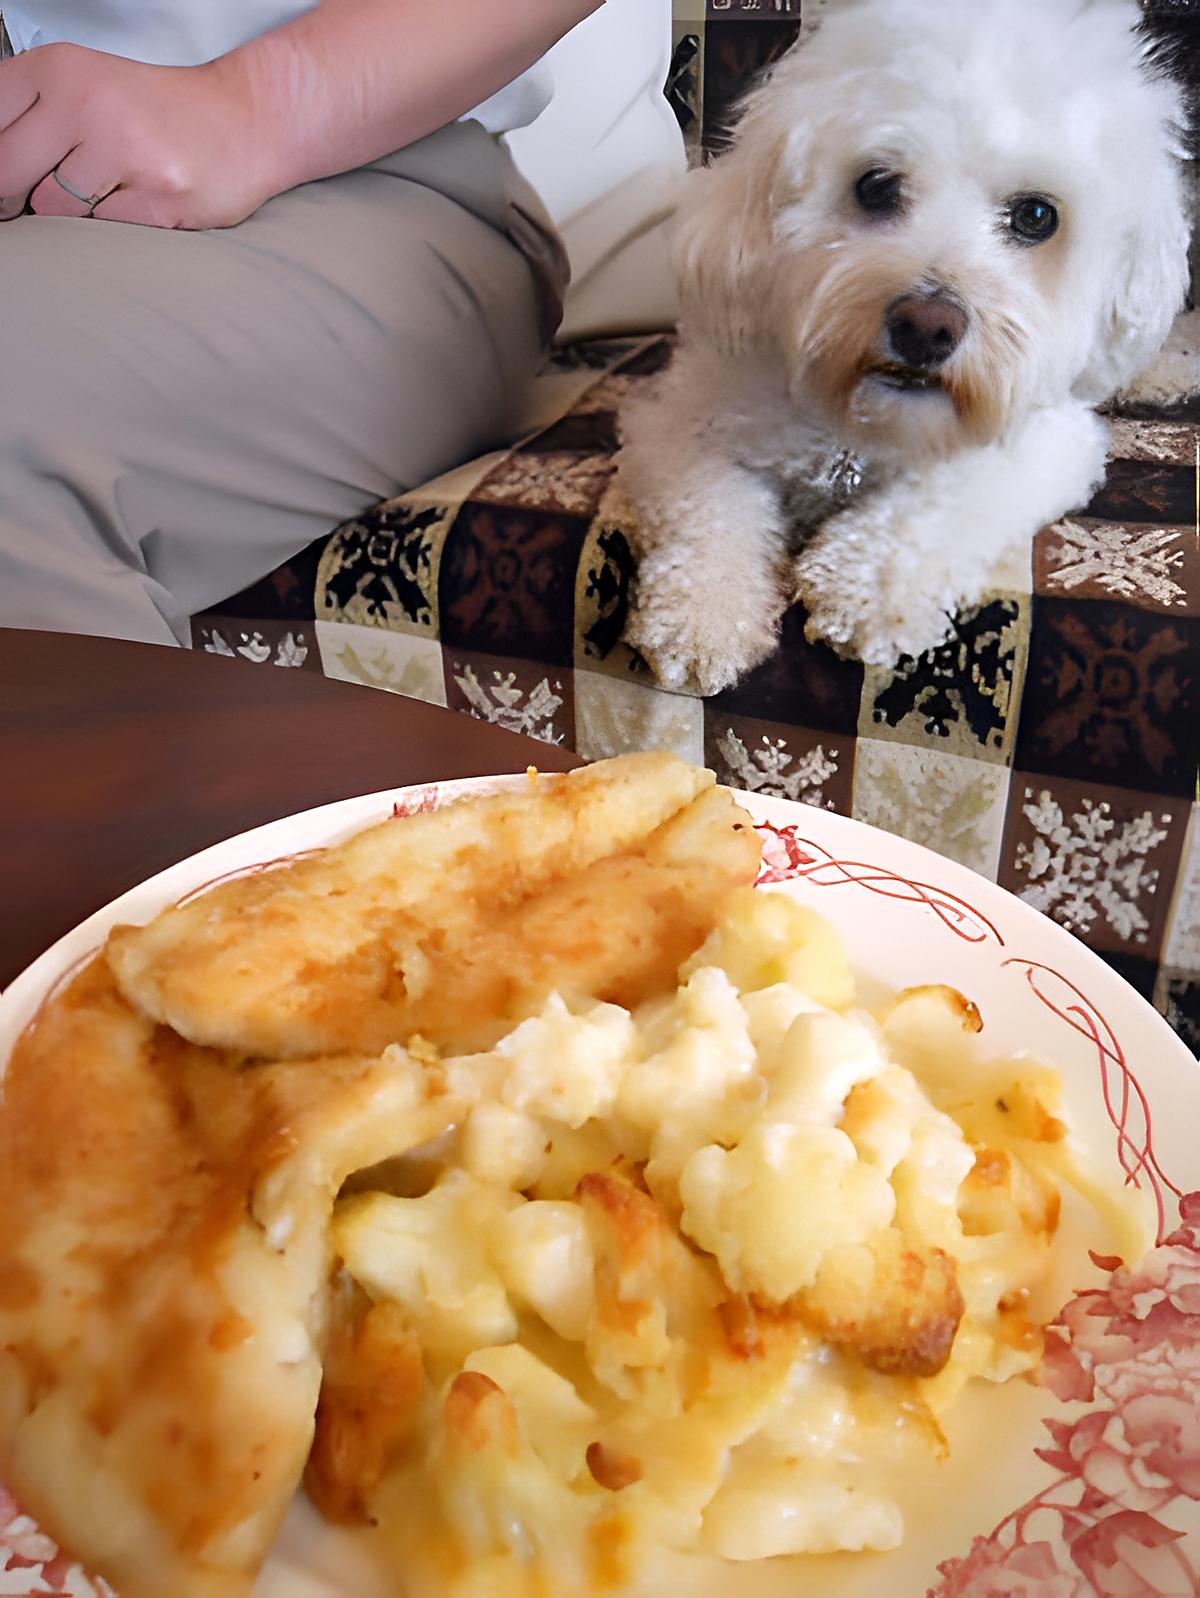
x: 1053, y: 744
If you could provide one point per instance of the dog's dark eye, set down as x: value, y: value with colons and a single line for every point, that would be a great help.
x: 1032, y: 218
x: 880, y: 192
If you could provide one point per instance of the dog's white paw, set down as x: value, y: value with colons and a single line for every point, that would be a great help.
x: 875, y: 620
x: 698, y: 648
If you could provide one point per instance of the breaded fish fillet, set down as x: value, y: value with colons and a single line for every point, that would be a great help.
x: 164, y: 1263
x: 320, y: 956
x: 165, y: 1256
x: 617, y: 931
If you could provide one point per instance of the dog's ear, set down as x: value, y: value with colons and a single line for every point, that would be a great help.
x: 722, y: 244
x: 1147, y: 282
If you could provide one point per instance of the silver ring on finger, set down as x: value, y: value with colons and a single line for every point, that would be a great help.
x: 88, y: 201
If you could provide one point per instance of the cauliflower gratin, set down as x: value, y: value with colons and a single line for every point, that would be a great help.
x: 526, y: 1182
x: 701, y: 1276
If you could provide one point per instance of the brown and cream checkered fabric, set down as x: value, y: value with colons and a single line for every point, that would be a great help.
x: 1053, y: 744
x: 721, y: 46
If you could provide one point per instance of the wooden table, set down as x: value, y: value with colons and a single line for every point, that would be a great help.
x: 118, y: 759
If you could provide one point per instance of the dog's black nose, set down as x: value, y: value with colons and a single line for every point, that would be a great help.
x: 925, y: 330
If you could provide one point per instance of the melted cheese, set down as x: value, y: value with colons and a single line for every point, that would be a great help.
x: 703, y: 1276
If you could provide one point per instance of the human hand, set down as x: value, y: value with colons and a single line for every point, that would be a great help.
x: 178, y: 147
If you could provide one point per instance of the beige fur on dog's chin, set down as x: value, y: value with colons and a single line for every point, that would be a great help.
x: 785, y: 283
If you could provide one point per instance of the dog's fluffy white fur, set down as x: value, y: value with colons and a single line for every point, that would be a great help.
x: 736, y: 458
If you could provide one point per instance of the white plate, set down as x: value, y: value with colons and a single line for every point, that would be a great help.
x: 1110, y: 1503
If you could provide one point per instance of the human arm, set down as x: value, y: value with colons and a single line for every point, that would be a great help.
x: 205, y: 146
x: 350, y: 99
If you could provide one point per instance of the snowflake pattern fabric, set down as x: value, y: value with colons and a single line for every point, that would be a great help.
x: 382, y: 573
x: 769, y: 767
x: 503, y: 698
x: 1112, y: 694
x: 1084, y: 866
x: 265, y: 643
x: 940, y: 800
x: 1138, y: 563
x: 961, y: 692
x: 1052, y: 742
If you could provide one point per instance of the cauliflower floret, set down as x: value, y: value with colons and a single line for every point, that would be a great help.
x: 545, y: 1257
x: 574, y: 1151
x: 708, y: 1053
x: 497, y: 1496
x: 694, y: 1073
x: 999, y: 1193
x: 822, y: 1057
x: 769, y: 1013
x: 568, y: 1067
x: 878, y: 1118
x: 927, y: 1181
x: 630, y: 1236
x: 433, y: 1256
x: 932, y: 1031
x: 700, y: 1086
x: 766, y: 938
x: 895, y: 1307
x: 771, y: 1208
x: 774, y: 1507
x: 503, y: 1146
x: 654, y: 1296
x: 474, y: 1077
x: 557, y: 1421
x: 923, y: 1152
x: 709, y: 999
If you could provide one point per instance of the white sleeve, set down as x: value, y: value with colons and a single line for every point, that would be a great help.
x: 516, y: 106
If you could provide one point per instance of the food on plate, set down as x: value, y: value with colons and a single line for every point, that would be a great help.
x: 530, y: 1185
x: 616, y: 929
x: 178, y: 1119
x: 703, y: 1276
x: 332, y: 952
x: 162, y: 1268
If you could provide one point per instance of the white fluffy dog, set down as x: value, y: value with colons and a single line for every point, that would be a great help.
x: 946, y: 229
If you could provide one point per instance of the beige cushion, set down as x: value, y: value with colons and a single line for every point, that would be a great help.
x: 606, y: 157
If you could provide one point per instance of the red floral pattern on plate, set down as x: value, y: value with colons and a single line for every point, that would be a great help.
x: 787, y: 856
x: 31, y: 1564
x: 1128, y: 1461
x: 417, y: 801
x: 1124, y: 1101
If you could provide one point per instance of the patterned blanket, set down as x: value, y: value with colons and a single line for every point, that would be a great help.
x: 1053, y: 744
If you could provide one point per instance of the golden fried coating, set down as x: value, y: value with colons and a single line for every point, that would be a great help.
x: 327, y: 954
x: 370, y: 1394
x: 897, y: 1308
x: 163, y: 1268
x: 616, y: 930
x: 611, y: 1470
x: 1001, y: 1194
